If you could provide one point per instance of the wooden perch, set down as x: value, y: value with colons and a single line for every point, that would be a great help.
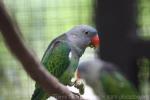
x: 32, y: 66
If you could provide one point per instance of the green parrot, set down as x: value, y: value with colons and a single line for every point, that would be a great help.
x: 107, y: 82
x: 62, y: 55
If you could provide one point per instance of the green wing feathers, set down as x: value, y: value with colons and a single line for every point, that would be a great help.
x: 39, y: 94
x: 56, y: 58
x: 117, y: 87
x: 56, y: 61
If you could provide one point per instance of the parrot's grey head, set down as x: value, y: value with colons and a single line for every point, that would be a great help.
x: 89, y: 69
x: 83, y: 36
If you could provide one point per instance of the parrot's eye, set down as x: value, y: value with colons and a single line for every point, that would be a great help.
x: 86, y: 33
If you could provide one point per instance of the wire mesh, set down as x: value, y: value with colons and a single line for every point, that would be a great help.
x: 40, y: 22
x: 144, y: 18
x: 144, y: 33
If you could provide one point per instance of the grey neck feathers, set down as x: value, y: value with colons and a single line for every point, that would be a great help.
x: 77, y: 47
x: 77, y: 50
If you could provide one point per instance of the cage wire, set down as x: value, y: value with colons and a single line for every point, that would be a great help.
x: 144, y: 33
x: 41, y: 21
x: 144, y: 18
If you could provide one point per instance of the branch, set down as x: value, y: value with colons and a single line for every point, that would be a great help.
x: 32, y: 66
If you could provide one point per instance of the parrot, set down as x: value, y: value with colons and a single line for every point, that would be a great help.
x: 63, y: 54
x: 107, y: 82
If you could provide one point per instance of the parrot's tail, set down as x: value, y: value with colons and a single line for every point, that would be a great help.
x: 39, y: 94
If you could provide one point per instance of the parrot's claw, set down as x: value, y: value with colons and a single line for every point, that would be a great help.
x: 77, y: 94
x: 71, y: 83
x: 79, y: 84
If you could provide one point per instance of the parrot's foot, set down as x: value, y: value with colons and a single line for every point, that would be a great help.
x: 79, y: 84
x: 73, y: 81
x: 77, y: 94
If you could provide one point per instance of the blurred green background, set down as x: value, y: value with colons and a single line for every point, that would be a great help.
x: 40, y: 22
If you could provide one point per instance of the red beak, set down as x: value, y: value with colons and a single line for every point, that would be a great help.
x: 95, y: 41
